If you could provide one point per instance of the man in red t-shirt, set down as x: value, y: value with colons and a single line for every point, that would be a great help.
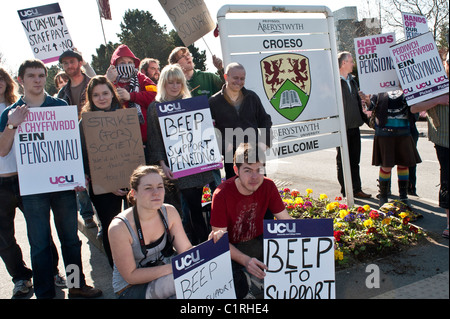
x: 238, y: 206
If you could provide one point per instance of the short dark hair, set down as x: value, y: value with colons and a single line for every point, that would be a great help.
x: 32, y: 63
x: 248, y: 153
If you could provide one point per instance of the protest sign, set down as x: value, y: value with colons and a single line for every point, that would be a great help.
x: 48, y: 151
x: 191, y: 19
x: 189, y: 137
x: 114, y: 148
x: 299, y: 255
x: 376, y: 71
x: 204, y: 272
x: 419, y: 68
x: 414, y: 25
x: 46, y: 31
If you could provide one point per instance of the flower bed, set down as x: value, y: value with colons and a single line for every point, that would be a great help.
x: 361, y: 233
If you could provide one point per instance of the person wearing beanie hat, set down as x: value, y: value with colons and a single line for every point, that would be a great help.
x: 134, y: 88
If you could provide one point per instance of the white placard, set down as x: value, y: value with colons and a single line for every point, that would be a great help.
x: 414, y: 25
x: 376, y: 69
x: 299, y: 255
x: 204, y: 272
x: 419, y: 68
x: 46, y: 31
x: 48, y: 151
x: 189, y: 136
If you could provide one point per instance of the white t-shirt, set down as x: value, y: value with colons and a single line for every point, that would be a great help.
x: 8, y: 163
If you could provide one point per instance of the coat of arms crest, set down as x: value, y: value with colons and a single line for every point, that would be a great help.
x: 287, y: 83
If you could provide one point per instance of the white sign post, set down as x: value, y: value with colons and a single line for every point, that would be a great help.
x: 420, y: 69
x: 189, y: 137
x: 376, y: 69
x: 204, y: 272
x: 48, y: 151
x: 46, y: 31
x: 290, y: 57
x: 299, y: 255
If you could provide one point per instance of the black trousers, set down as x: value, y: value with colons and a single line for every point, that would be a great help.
x: 354, y: 152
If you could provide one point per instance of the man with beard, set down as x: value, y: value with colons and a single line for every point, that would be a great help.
x: 74, y: 93
x: 200, y: 82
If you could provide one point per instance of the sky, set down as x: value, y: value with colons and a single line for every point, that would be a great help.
x: 85, y: 28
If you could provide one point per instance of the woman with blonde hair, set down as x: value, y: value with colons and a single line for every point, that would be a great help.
x: 172, y: 86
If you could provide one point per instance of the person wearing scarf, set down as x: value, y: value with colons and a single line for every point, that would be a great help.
x: 134, y: 88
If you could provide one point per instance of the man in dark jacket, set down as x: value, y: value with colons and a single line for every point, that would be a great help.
x: 238, y: 114
x: 74, y: 92
x: 354, y: 118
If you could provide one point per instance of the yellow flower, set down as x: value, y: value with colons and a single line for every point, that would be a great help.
x: 338, y: 255
x: 386, y: 221
x: 366, y: 208
x: 403, y: 215
x: 323, y: 196
x: 309, y: 191
x: 298, y: 200
x: 338, y: 225
x: 288, y: 201
x: 343, y: 213
x: 368, y: 223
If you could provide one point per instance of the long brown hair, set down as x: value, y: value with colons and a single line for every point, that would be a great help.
x: 97, y: 80
x: 11, y: 95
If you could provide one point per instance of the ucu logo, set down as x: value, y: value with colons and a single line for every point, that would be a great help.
x: 440, y: 79
x: 406, y: 91
x: 29, y: 13
x: 423, y: 85
x: 187, y: 260
x: 281, y: 228
x: 61, y: 179
x: 388, y: 84
x: 169, y: 107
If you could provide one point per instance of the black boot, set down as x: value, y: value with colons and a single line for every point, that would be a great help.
x: 384, y: 187
x: 403, y: 191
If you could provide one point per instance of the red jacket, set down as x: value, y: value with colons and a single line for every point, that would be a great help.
x: 147, y: 89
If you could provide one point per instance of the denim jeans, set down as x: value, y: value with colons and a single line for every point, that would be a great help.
x: 85, y: 204
x: 10, y: 251
x: 37, y: 214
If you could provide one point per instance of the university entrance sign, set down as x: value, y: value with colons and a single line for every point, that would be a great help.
x: 290, y: 57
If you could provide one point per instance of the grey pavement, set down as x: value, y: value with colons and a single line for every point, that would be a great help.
x: 417, y: 273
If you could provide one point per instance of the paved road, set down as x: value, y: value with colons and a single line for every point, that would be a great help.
x: 416, y: 273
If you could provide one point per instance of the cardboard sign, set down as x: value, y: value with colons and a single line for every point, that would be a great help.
x: 376, y: 69
x: 204, y: 272
x: 48, y: 151
x: 114, y: 146
x: 414, y: 25
x: 299, y: 255
x: 419, y: 68
x: 46, y: 31
x: 189, y: 137
x: 191, y: 19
